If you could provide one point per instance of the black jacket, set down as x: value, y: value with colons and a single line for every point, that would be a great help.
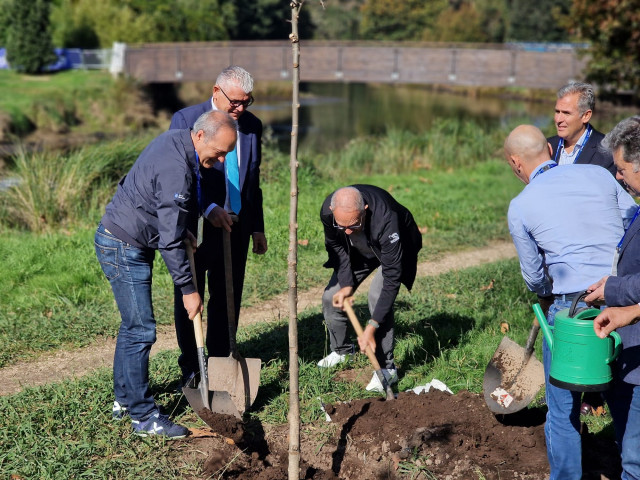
x: 156, y: 201
x: 590, y: 153
x: 393, y: 237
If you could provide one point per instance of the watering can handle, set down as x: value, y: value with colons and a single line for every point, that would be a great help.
x: 617, y: 347
x: 574, y: 304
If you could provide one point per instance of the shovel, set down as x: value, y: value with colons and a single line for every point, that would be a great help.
x: 233, y: 379
x: 372, y: 357
x: 514, y: 375
x: 198, y: 395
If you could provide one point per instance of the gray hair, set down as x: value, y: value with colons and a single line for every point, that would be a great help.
x: 625, y: 135
x: 586, y: 95
x: 347, y: 198
x: 210, y: 122
x: 235, y: 76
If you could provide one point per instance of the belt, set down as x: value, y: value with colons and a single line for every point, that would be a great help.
x: 567, y: 297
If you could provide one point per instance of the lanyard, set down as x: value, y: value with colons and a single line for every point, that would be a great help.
x: 561, y: 145
x: 544, y: 169
x: 198, y: 184
x: 627, y: 229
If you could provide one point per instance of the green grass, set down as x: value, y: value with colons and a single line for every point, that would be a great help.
x: 76, y: 100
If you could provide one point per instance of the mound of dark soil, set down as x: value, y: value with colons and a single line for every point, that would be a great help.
x: 432, y: 435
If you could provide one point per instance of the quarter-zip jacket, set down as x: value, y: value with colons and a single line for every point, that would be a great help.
x: 392, y: 235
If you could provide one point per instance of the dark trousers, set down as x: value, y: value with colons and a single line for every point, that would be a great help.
x: 210, y: 268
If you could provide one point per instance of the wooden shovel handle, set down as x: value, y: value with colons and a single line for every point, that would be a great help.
x: 359, y: 331
x: 197, y: 320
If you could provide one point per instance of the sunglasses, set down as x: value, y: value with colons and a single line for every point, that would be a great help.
x: 355, y: 226
x: 238, y: 103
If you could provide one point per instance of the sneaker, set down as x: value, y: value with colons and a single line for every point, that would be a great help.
x: 119, y: 411
x: 333, y: 359
x: 159, y: 424
x: 390, y: 374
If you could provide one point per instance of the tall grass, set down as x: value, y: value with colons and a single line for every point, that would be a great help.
x: 54, y: 191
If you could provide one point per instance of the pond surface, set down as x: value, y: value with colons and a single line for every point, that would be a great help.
x: 331, y: 114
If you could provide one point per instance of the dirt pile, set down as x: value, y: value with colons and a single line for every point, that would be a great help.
x: 431, y: 436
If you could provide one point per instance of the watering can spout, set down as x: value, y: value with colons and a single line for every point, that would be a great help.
x: 546, y: 329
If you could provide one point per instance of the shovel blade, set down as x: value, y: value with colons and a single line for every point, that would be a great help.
x: 239, y: 378
x: 193, y: 395
x: 508, y: 372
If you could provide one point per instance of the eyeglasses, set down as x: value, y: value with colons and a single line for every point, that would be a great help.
x: 355, y: 226
x: 238, y: 103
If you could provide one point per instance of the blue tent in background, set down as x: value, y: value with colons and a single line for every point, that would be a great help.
x: 3, y: 59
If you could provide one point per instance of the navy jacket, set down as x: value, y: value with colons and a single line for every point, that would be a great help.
x: 624, y: 290
x: 214, y: 185
x: 156, y: 201
x: 393, y: 237
x: 590, y: 153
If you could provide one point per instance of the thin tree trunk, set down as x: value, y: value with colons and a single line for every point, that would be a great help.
x: 294, y: 392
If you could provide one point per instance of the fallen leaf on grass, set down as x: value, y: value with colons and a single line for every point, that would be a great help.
x: 598, y: 412
x: 202, y: 433
x: 304, y: 242
x: 504, y: 327
x: 487, y: 287
x: 451, y: 295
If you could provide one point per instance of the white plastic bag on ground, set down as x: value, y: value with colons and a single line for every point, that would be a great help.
x: 434, y: 383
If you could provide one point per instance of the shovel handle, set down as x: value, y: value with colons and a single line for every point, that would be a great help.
x: 228, y: 278
x: 359, y: 331
x: 197, y: 320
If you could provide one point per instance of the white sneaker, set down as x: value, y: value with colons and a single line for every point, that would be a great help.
x: 390, y: 374
x: 333, y: 359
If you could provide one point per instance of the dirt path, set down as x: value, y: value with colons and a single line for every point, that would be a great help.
x: 75, y: 363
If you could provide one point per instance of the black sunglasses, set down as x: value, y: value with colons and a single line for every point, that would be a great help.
x: 355, y: 226
x: 237, y: 103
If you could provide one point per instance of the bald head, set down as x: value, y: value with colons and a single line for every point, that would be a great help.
x: 347, y: 199
x: 529, y: 143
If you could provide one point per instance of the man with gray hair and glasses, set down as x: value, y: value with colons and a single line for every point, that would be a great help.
x: 621, y: 293
x: 577, y: 141
x: 232, y: 188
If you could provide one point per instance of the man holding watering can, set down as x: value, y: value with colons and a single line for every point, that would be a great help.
x: 621, y: 291
x: 564, y: 225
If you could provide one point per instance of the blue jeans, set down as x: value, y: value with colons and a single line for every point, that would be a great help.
x: 624, y: 404
x: 562, y: 428
x: 129, y: 271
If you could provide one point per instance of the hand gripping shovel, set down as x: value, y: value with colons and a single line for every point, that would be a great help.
x: 198, y: 397
x: 514, y: 375
x: 372, y: 357
x: 234, y: 379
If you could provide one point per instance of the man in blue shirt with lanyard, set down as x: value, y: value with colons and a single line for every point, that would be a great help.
x: 577, y: 141
x: 565, y: 225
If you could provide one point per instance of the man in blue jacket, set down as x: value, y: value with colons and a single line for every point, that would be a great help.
x: 564, y: 225
x: 621, y: 292
x: 151, y: 210
x: 367, y: 230
x: 231, y: 94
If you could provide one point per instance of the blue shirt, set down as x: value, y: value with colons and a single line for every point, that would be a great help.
x: 565, y: 225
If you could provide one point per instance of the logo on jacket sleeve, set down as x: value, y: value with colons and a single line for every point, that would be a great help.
x: 394, y: 237
x: 179, y: 196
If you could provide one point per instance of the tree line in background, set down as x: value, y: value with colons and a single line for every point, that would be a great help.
x: 610, y: 27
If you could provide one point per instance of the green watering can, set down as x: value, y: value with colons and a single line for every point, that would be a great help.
x: 580, y: 360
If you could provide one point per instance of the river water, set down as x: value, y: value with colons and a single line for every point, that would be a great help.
x: 331, y: 114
